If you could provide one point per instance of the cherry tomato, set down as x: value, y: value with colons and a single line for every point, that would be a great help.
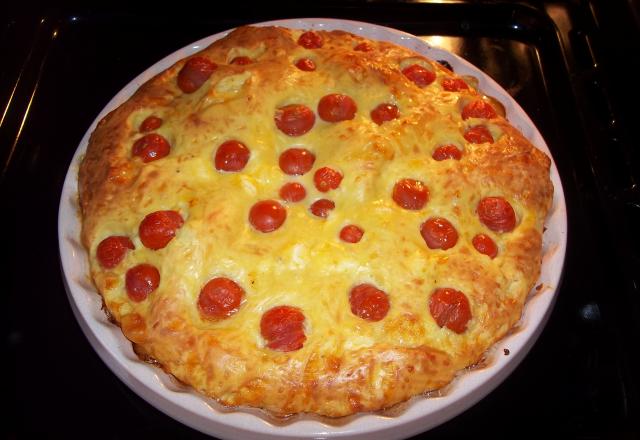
x: 322, y: 208
x: 326, y: 179
x: 478, y: 135
x: 497, y: 214
x: 368, y: 302
x: 310, y: 40
x: 383, y: 113
x: 150, y: 123
x: 336, y: 108
x: 141, y: 280
x: 454, y: 84
x: 419, y: 75
x: 450, y: 308
x: 478, y: 109
x: 351, y: 234
x: 363, y: 47
x: 485, y: 245
x: 220, y: 298
x: 294, y: 119
x: 282, y: 328
x: 306, y: 64
x: 410, y: 194
x: 232, y: 156
x: 296, y: 161
x: 158, y: 228
x: 195, y: 72
x: 112, y: 250
x: 151, y: 147
x: 448, y: 151
x: 267, y: 215
x: 292, y: 192
x: 439, y: 233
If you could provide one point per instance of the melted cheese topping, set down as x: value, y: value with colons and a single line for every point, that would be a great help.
x: 347, y: 364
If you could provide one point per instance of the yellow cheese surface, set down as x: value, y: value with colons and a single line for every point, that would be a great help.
x: 347, y: 364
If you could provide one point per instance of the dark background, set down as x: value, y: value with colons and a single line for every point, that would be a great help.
x: 573, y: 66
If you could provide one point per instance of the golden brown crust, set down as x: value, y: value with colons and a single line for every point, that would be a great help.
x: 347, y: 364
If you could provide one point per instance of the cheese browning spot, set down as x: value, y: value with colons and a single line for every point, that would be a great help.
x: 450, y: 308
x: 141, y: 280
x: 282, y: 328
x: 219, y: 298
x: 134, y: 327
x: 439, y: 233
x: 368, y: 302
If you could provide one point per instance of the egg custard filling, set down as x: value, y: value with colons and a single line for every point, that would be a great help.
x: 311, y: 221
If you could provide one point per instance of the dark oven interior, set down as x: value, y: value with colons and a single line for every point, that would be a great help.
x: 571, y: 66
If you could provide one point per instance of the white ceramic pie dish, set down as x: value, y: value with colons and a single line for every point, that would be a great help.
x: 204, y: 414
